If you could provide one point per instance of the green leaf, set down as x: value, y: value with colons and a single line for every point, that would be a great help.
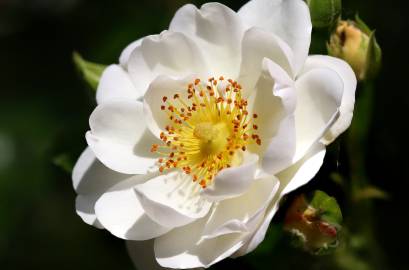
x: 337, y: 178
x: 65, y: 162
x: 327, y: 208
x: 324, y: 13
x: 370, y: 192
x: 91, y: 72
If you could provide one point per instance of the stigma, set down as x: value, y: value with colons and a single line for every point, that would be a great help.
x: 209, y: 125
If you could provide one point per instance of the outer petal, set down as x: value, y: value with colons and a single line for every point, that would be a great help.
x: 121, y: 213
x: 240, y: 213
x: 348, y: 97
x: 172, y: 54
x: 91, y: 179
x: 126, y: 53
x: 258, y: 44
x: 119, y: 137
x: 184, y: 248
x: 115, y: 84
x: 290, y: 179
x: 319, y: 95
x: 142, y: 255
x: 234, y: 181
x: 172, y: 200
x: 274, y: 101
x: 259, y: 234
x: 303, y: 171
x: 217, y: 30
x: 288, y: 19
x: 84, y: 206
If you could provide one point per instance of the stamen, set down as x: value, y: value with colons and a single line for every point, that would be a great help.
x: 205, y: 130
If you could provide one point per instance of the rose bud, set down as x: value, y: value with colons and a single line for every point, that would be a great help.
x: 355, y: 43
x: 314, y: 222
x: 324, y: 13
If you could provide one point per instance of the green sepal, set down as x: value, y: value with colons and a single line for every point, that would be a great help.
x: 373, y: 58
x: 373, y: 50
x: 324, y: 13
x: 362, y: 25
x: 327, y: 208
x: 91, y: 72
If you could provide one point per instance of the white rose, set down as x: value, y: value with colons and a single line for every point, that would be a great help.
x: 199, y: 165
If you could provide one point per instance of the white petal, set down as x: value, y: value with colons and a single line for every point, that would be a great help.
x: 319, y: 95
x: 162, y: 86
x: 84, y: 162
x: 238, y: 214
x: 274, y: 100
x: 217, y: 30
x: 115, y: 84
x: 259, y: 234
x: 90, y: 176
x: 126, y: 53
x: 171, y: 54
x: 183, y: 247
x: 303, y: 171
x: 347, y: 75
x: 121, y: 213
x: 119, y: 137
x: 234, y: 181
x: 172, y: 200
x: 288, y: 19
x: 281, y: 148
x: 257, y: 45
x: 297, y: 175
x: 91, y: 179
x: 142, y: 255
x: 84, y: 206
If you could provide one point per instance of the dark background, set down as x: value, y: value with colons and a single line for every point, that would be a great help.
x: 44, y: 110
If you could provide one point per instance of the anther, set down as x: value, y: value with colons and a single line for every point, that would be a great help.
x: 186, y: 117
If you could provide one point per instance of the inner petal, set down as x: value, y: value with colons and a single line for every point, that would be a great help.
x: 209, y: 129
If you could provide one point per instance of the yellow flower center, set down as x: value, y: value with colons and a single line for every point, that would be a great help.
x: 207, y: 129
x: 212, y: 137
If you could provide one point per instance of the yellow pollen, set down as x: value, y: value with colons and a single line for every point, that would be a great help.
x: 212, y: 137
x: 208, y: 126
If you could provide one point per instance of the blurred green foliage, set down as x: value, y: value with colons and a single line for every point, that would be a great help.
x: 44, y: 110
x: 91, y: 72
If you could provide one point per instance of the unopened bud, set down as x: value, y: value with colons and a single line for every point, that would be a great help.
x: 314, y: 222
x: 324, y: 13
x: 355, y: 43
